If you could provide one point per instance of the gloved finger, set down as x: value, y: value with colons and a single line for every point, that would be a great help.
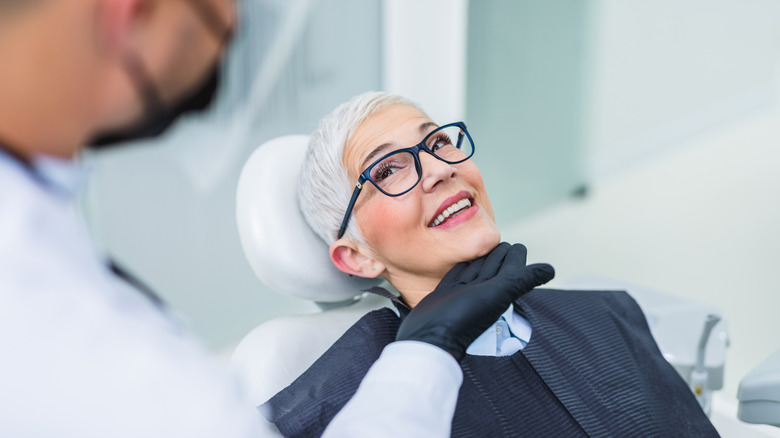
x: 532, y: 276
x: 471, y: 271
x: 515, y: 258
x: 494, y: 260
x: 452, y: 275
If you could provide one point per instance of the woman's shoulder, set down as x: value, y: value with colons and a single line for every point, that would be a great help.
x: 362, y: 342
x: 373, y: 331
x: 310, y: 402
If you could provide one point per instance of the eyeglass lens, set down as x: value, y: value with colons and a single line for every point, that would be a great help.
x: 397, y: 173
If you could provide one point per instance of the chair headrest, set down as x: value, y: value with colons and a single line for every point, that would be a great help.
x: 282, y: 249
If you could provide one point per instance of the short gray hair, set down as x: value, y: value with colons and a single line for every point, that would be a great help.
x: 324, y: 187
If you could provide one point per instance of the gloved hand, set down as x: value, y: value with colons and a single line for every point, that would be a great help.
x: 471, y: 297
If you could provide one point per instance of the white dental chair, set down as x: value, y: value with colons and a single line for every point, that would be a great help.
x: 291, y: 259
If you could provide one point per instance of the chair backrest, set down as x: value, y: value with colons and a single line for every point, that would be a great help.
x: 288, y: 256
x: 284, y: 252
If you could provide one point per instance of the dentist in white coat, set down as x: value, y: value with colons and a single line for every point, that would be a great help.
x: 84, y: 352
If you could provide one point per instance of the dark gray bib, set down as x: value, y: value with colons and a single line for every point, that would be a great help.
x: 591, y: 368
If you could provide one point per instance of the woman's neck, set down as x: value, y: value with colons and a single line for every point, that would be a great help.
x: 413, y: 288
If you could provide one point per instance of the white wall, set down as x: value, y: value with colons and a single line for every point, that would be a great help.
x: 664, y: 70
x: 700, y: 224
x: 684, y: 131
x: 425, y: 54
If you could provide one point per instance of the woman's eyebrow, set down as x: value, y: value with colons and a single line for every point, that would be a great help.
x: 424, y: 129
x: 377, y: 151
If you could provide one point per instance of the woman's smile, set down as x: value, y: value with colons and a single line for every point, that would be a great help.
x: 454, y: 211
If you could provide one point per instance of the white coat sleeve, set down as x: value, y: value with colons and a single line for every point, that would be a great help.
x: 410, y: 391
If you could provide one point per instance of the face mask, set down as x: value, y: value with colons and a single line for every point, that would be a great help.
x: 160, y: 117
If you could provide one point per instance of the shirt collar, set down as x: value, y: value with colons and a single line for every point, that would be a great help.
x: 486, y: 344
x: 61, y: 176
x: 508, y: 315
x: 65, y: 176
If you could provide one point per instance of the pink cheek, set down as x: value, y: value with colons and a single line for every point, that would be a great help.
x: 486, y: 205
x: 386, y: 221
x: 473, y: 176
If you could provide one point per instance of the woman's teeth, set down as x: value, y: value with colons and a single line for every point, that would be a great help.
x: 449, y: 211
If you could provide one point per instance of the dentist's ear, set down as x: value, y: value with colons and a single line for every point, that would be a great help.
x: 348, y: 259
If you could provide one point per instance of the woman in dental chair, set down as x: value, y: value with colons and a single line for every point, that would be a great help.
x: 557, y: 363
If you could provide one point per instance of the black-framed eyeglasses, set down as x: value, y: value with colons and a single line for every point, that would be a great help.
x: 398, y: 172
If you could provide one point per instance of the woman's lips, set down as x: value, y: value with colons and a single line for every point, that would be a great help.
x: 455, y: 207
x: 458, y: 218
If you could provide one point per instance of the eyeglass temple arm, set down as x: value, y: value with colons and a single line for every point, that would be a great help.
x: 355, y: 193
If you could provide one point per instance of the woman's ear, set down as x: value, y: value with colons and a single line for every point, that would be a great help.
x: 345, y: 255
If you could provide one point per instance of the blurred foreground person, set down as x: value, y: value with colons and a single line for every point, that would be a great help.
x: 84, y: 353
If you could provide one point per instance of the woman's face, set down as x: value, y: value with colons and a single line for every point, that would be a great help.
x: 400, y: 231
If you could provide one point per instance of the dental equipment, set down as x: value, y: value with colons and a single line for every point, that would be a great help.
x: 759, y: 393
x: 698, y: 379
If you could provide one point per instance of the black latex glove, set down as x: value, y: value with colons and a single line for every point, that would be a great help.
x: 471, y: 297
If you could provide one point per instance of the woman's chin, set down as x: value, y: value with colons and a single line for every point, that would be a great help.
x: 481, y: 243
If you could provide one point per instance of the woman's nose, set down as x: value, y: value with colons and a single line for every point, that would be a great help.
x: 435, y: 172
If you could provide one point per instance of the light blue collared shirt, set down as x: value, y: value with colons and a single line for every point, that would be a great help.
x: 504, y: 338
x: 65, y: 176
x: 61, y: 177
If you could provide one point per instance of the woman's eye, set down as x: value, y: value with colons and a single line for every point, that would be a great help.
x: 386, y: 173
x: 440, y: 142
